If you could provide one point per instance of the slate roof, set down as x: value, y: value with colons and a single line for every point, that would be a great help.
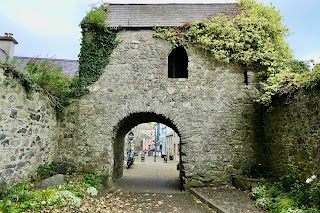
x: 69, y: 67
x: 165, y: 15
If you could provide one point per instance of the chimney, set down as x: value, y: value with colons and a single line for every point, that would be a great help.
x: 7, y: 43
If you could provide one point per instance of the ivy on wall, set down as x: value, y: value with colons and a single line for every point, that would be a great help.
x: 98, y: 42
x: 25, y: 80
x: 288, y: 82
x: 254, y: 39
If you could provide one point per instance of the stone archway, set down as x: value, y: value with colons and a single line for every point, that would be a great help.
x: 124, y: 126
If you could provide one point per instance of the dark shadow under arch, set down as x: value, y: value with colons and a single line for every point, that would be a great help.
x: 124, y: 126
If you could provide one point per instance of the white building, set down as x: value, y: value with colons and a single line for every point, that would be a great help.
x: 144, y: 136
x: 172, y: 144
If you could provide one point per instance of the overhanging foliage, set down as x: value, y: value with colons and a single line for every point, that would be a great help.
x: 254, y: 39
x: 43, y: 76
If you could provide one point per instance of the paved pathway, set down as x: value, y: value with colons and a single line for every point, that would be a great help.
x: 226, y: 199
x: 155, y: 187
x: 150, y: 176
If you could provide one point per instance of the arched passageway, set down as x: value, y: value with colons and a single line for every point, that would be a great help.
x: 120, y: 132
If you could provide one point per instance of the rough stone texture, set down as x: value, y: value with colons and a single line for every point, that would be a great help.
x: 212, y: 111
x: 51, y: 182
x: 292, y: 134
x: 27, y: 130
x: 245, y: 183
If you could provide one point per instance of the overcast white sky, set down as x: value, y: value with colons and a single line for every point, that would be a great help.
x: 50, y: 28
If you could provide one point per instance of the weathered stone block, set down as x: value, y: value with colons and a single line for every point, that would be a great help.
x: 51, y: 182
x: 13, y: 113
x: 245, y: 183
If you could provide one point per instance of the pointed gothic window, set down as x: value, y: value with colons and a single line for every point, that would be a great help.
x: 178, y: 63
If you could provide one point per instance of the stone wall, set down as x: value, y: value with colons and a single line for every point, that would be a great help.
x: 211, y: 110
x: 28, y: 130
x: 292, y: 134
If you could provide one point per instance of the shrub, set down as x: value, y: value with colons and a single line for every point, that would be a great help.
x: 284, y: 204
x: 259, y: 191
x: 92, y: 180
x: 45, y: 171
x: 289, y: 194
x: 49, y: 77
x: 287, y: 181
x: 68, y: 197
x: 95, y: 19
x: 3, y: 190
x: 264, y: 202
x: 23, y: 197
x: 92, y: 191
x: 314, y: 194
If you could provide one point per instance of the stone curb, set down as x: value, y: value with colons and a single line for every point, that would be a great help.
x: 207, y: 201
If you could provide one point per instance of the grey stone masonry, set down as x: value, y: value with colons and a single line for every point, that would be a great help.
x: 28, y: 130
x: 212, y: 111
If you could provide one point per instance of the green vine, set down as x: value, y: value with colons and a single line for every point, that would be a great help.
x: 12, y: 72
x: 287, y: 83
x: 254, y: 39
x: 98, y: 42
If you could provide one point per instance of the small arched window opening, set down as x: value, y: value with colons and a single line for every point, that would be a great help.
x: 178, y: 63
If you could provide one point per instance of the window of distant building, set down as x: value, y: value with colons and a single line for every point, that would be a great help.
x: 178, y: 63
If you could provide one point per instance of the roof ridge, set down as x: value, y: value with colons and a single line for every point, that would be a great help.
x: 53, y: 59
x: 171, y: 3
x: 165, y: 15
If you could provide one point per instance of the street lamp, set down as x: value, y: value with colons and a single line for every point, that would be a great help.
x: 156, y: 143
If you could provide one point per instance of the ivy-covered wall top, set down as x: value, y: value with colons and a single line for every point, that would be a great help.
x: 254, y: 39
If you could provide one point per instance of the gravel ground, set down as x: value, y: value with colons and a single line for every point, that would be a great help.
x: 148, y: 187
x: 124, y: 202
x: 155, y: 187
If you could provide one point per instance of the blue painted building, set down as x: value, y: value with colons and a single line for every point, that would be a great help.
x: 161, y: 132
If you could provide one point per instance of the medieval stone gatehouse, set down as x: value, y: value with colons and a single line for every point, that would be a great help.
x: 208, y: 104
